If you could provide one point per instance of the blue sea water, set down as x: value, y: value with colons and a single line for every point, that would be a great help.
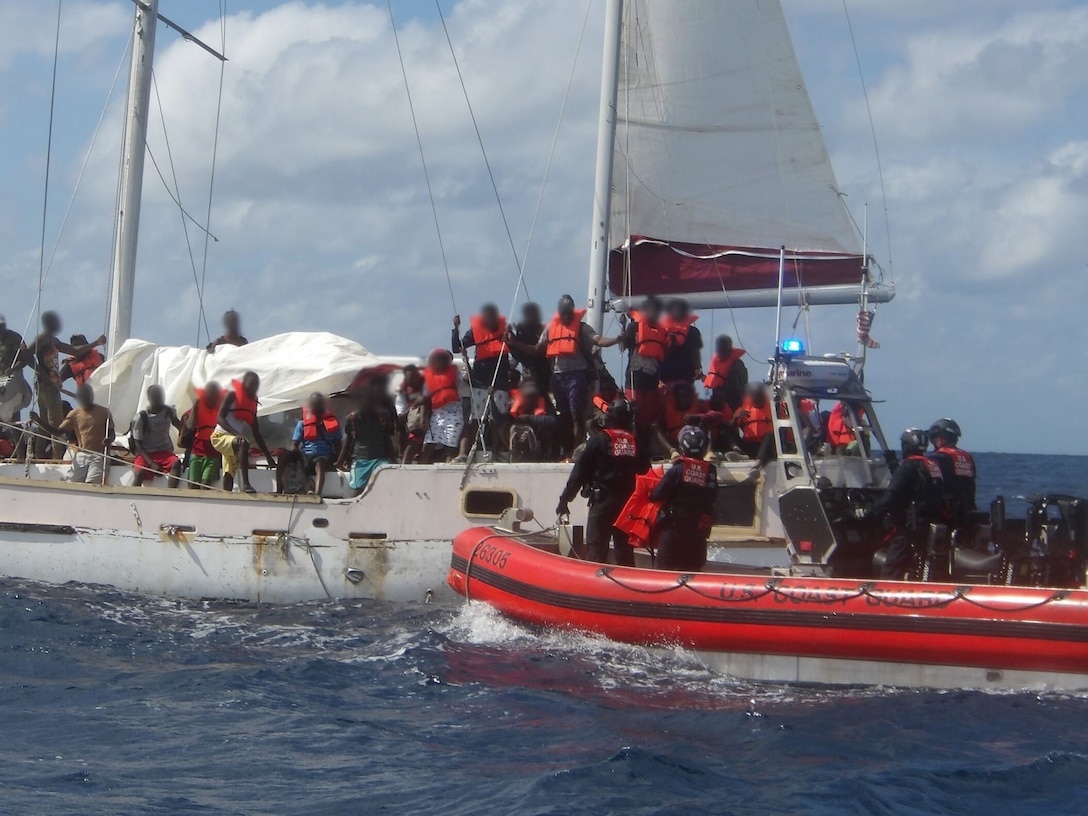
x: 114, y: 703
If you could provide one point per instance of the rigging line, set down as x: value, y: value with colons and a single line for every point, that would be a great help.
x: 483, y: 151
x: 211, y: 180
x: 555, y: 138
x: 872, y: 129
x: 177, y: 188
x: 422, y: 157
x: 86, y: 160
x: 45, y: 193
x: 174, y: 198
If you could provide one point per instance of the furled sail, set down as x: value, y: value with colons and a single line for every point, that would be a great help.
x: 719, y: 161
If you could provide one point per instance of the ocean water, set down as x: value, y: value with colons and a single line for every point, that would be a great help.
x: 115, y: 703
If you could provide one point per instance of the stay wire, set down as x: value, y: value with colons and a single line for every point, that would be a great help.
x: 177, y: 198
x: 211, y: 180
x: 422, y: 155
x: 872, y: 130
x: 79, y: 179
x: 45, y: 212
x: 483, y: 151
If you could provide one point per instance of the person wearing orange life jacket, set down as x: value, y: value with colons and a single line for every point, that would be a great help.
x: 840, y: 431
x: 489, y: 374
x: 606, y: 471
x: 205, y: 462
x: 319, y: 439
x: 686, y: 493
x: 237, y: 422
x: 680, y: 404
x: 646, y: 341
x: 727, y: 377
x: 917, y: 482
x: 754, y: 421
x: 441, y: 381
x: 958, y: 468
x: 81, y: 366
x: 567, y: 344
x: 533, y: 429
x: 683, y: 357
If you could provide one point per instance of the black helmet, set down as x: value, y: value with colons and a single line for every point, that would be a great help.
x: 946, y: 428
x: 618, y: 414
x: 914, y: 440
x: 693, y: 442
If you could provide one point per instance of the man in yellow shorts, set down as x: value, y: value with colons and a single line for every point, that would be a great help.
x: 237, y: 423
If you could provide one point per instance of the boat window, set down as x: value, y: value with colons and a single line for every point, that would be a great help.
x: 487, y: 502
x: 735, y: 505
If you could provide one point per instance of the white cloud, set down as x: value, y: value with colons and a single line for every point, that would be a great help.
x: 960, y: 78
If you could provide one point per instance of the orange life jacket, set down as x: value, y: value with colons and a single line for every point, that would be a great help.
x: 839, y: 434
x: 563, y: 338
x: 963, y: 464
x: 519, y: 409
x: 758, y: 424
x: 719, y: 369
x: 311, y: 422
x: 674, y: 417
x: 639, y: 516
x: 600, y: 403
x: 83, y: 368
x: 442, y: 387
x: 621, y: 443
x: 678, y: 329
x: 206, y: 417
x: 245, y: 406
x: 488, y: 343
x: 650, y: 341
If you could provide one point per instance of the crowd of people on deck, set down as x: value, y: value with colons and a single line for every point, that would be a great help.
x: 532, y: 390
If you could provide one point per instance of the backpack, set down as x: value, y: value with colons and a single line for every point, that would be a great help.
x: 524, y: 445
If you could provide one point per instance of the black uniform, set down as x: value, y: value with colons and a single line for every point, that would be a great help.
x: 687, y: 493
x: 608, y: 466
x: 958, y: 469
x: 916, y: 481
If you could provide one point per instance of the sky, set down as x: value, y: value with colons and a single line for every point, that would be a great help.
x: 321, y: 218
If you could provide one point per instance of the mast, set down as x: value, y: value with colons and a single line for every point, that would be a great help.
x: 134, y: 148
x: 606, y: 145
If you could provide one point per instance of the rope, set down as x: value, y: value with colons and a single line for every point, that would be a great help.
x: 422, y: 156
x: 45, y: 194
x: 211, y: 181
x: 109, y: 457
x: 483, y: 151
x: 177, y: 189
x: 79, y: 179
x: 872, y: 129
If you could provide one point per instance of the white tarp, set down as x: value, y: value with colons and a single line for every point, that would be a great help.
x: 716, y: 139
x: 291, y: 367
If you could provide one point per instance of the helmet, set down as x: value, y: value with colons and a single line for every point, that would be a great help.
x: 947, y: 428
x: 693, y: 442
x: 618, y: 414
x: 914, y: 440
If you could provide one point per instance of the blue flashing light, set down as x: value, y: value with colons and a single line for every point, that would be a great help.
x: 792, y: 348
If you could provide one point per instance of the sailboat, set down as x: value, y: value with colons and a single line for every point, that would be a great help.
x: 712, y: 182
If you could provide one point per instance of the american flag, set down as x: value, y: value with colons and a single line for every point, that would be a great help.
x: 865, y: 322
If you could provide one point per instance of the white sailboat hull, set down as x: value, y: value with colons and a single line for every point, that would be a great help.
x: 393, y: 543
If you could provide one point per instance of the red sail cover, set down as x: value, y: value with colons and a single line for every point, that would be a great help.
x: 659, y: 268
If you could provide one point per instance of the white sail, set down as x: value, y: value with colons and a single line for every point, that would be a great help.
x: 719, y: 158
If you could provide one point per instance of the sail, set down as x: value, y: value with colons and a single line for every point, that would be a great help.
x: 719, y: 161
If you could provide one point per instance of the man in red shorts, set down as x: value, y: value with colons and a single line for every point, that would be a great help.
x: 152, y: 443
